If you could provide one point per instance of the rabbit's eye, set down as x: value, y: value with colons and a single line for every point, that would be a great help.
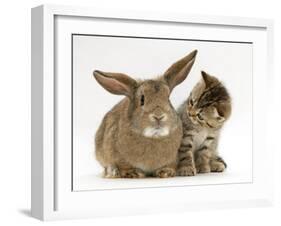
x: 142, y: 100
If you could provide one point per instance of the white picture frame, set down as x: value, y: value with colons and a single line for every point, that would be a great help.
x: 52, y: 192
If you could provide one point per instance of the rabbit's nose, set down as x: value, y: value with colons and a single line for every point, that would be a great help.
x: 158, y: 118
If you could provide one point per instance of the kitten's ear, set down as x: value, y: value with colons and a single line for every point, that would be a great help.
x: 223, y: 111
x: 219, y: 115
x: 116, y: 83
x: 220, y: 119
x: 178, y: 72
x: 208, y: 79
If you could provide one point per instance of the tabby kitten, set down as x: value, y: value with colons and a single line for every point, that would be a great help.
x: 203, y: 115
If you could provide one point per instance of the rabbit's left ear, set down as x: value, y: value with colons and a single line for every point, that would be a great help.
x: 116, y: 83
x: 178, y: 72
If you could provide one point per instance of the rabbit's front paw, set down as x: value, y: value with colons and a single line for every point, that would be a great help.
x: 111, y: 172
x: 186, y: 171
x: 132, y: 173
x: 165, y: 172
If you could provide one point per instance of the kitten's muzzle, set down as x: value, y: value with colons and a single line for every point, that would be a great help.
x: 192, y: 116
x: 192, y: 112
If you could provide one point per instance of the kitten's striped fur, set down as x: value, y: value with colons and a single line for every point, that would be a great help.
x: 203, y: 115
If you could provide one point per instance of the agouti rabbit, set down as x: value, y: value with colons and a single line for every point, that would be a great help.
x: 141, y: 135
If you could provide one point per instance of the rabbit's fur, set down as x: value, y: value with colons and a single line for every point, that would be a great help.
x: 140, y: 136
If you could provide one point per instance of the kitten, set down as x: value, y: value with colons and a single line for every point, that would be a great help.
x: 203, y: 114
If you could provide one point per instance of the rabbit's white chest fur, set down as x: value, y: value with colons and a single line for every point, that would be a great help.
x: 156, y: 132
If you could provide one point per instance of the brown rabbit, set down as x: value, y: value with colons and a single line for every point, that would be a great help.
x: 140, y: 136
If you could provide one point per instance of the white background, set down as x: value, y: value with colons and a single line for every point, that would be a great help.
x: 146, y: 58
x: 15, y: 112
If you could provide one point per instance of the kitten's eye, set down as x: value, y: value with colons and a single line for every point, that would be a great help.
x: 199, y: 117
x: 142, y: 100
x: 191, y: 102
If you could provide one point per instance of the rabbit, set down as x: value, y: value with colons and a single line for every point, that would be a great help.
x: 140, y: 136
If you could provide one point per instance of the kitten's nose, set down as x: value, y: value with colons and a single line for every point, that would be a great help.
x: 192, y: 113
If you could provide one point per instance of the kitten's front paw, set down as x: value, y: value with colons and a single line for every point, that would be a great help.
x: 203, y: 169
x: 165, y: 172
x: 132, y: 173
x: 217, y: 167
x: 186, y: 171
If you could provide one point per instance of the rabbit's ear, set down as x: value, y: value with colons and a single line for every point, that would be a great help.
x: 116, y: 83
x: 179, y: 70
